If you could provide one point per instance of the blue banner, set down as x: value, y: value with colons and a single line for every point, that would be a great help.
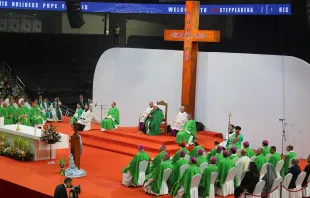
x: 249, y: 9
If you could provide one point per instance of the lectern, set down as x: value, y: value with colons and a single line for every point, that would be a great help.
x: 76, y: 145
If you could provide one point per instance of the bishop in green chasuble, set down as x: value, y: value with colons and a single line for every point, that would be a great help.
x: 153, y: 121
x: 213, y: 151
x: 275, y: 156
x: 188, y: 133
x: 131, y: 172
x: 35, y: 116
x: 225, y: 165
x: 176, y: 168
x: 158, y: 159
x: 201, y: 159
x: 112, y: 120
x: 176, y: 156
x: 194, y: 152
x: 249, y: 152
x: 22, y: 114
x: 266, y: 149
x: 260, y: 159
x: 9, y: 117
x: 287, y: 160
x: 204, y: 186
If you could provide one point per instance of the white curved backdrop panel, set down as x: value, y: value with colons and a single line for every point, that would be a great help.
x: 257, y: 89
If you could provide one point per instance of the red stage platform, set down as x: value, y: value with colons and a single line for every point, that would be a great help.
x: 104, y: 156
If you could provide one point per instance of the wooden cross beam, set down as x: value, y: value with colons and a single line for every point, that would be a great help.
x: 191, y: 35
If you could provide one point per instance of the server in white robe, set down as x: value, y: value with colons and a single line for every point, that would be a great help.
x: 144, y: 115
x: 180, y: 120
x: 84, y: 123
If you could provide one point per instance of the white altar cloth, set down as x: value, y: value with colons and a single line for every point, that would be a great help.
x: 38, y: 148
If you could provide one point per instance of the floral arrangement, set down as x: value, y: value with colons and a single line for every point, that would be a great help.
x: 50, y: 135
x: 20, y: 149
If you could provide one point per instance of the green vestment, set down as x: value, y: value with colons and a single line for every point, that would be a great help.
x: 236, y: 144
x: 111, y: 120
x: 204, y: 186
x: 12, y: 113
x: 158, y: 176
x: 287, y: 162
x: 185, y: 181
x: 189, y: 129
x: 266, y: 150
x: 77, y: 115
x: 201, y: 159
x: 211, y: 153
x: 176, y: 171
x: 56, y: 106
x: 152, y: 124
x: 133, y: 166
x: 249, y: 152
x: 274, y: 159
x: 23, y: 115
x: 157, y: 160
x: 225, y: 165
x: 260, y: 160
x: 35, y: 117
x: 176, y: 156
x: 194, y: 152
x: 8, y: 117
x: 40, y: 112
x: 48, y: 113
x: 233, y: 156
x: 219, y: 158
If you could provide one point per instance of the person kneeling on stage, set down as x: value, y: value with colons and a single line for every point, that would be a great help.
x: 60, y: 191
x: 84, y: 123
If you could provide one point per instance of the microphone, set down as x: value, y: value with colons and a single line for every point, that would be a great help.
x: 281, y: 119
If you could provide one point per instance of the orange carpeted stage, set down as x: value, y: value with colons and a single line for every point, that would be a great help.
x: 104, y: 156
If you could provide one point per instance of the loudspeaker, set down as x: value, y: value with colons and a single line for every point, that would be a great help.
x: 74, y: 13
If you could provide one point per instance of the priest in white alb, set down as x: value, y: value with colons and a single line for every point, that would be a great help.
x: 180, y: 120
x: 144, y: 115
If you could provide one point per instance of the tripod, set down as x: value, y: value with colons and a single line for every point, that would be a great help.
x: 101, y: 107
x: 283, y: 134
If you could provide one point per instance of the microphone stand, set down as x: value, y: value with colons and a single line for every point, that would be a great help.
x: 283, y: 134
x: 101, y: 107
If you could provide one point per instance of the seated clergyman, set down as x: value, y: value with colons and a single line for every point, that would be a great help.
x: 158, y: 159
x: 143, y: 116
x: 178, y: 123
x: 112, y: 120
x: 131, y: 172
x: 35, y: 117
x: 84, y: 122
x: 189, y: 131
x: 77, y: 114
x: 22, y: 114
x: 55, y: 109
x: 46, y: 109
x: 153, y: 121
x: 153, y: 182
x: 204, y: 185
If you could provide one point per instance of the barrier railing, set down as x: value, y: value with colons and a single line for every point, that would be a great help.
x: 18, y: 81
x: 66, y: 111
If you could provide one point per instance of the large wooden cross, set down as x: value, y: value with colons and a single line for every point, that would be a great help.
x: 191, y: 35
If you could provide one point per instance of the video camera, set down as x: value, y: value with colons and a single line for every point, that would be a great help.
x: 75, y: 191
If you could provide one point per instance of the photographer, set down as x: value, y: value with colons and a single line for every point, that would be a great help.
x: 60, y: 191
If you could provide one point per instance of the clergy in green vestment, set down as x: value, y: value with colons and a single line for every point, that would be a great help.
x: 152, y: 122
x: 158, y: 159
x: 112, y: 120
x: 40, y: 110
x: 189, y: 131
x: 201, y: 159
x: 266, y: 149
x: 219, y: 155
x: 182, y: 187
x: 275, y: 156
x: 235, y: 139
x: 23, y: 116
x: 213, y: 151
x: 35, y: 117
x: 47, y: 110
x: 225, y: 165
x: 260, y: 159
x: 176, y: 156
x: 77, y: 114
x: 153, y: 183
x: 194, y: 152
x: 12, y: 110
x: 204, y: 185
x: 249, y: 152
x: 176, y: 168
x: 55, y: 109
x: 287, y: 160
x: 131, y: 172
x: 233, y: 153
x: 8, y: 119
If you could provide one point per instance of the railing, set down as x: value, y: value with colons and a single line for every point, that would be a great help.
x: 66, y: 111
x: 18, y: 81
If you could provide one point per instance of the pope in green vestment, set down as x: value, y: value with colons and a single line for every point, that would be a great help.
x: 275, y: 157
x: 204, y: 186
x: 176, y: 168
x: 235, y: 139
x: 77, y: 114
x: 22, y: 114
x: 35, y: 116
x: 249, y: 152
x: 158, y: 159
x: 112, y: 119
x: 185, y: 180
x: 213, y: 151
x: 153, y: 182
x: 287, y: 160
x: 266, y: 149
x: 224, y: 167
x: 201, y: 159
x: 153, y: 121
x: 176, y: 156
x: 194, y: 152
x: 132, y: 170
x: 260, y: 159
x: 189, y: 131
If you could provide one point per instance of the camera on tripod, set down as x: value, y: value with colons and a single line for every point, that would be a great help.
x: 75, y: 191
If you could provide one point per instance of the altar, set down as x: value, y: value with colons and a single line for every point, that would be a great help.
x: 40, y: 150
